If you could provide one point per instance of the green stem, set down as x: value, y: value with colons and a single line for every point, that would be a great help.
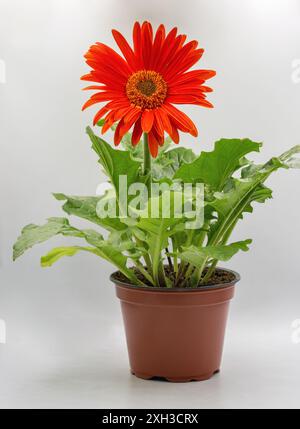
x: 147, y: 164
x: 175, y: 260
x: 175, y: 257
x: 224, y: 240
x: 145, y: 273
x: 169, y: 261
x: 183, y: 267
x: 148, y: 262
x: 161, y: 275
x: 198, y: 272
x: 145, y: 256
x: 210, y: 271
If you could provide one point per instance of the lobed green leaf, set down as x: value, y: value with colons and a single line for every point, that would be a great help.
x: 216, y: 167
x: 196, y: 255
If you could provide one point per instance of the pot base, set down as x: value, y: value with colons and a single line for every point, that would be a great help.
x: 175, y: 379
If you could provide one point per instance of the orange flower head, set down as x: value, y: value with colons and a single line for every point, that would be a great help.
x: 140, y: 88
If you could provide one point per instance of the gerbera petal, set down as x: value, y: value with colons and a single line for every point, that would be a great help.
x: 121, y: 112
x: 118, y: 103
x: 147, y: 34
x: 123, y: 127
x: 169, y: 54
x: 159, y: 138
x: 153, y: 145
x: 160, y: 36
x: 106, y: 96
x: 183, y: 99
x: 174, y: 133
x: 109, y: 120
x: 114, y: 116
x: 191, y: 83
x: 205, y: 88
x: 99, y: 114
x: 87, y: 76
x: 137, y: 43
x: 137, y: 133
x: 186, y: 63
x: 158, y: 123
x: 99, y: 49
x: 99, y: 87
x: 168, y: 51
x: 167, y: 125
x: 157, y: 45
x: 125, y: 49
x: 108, y: 70
x: 187, y: 77
x: 186, y: 90
x: 167, y: 45
x: 105, y: 78
x: 117, y: 136
x: 181, y: 118
x: 136, y: 36
x: 177, y: 59
x: 190, y: 76
x: 89, y: 103
x: 133, y: 111
x: 147, y: 120
x: 102, y: 56
x: 204, y: 103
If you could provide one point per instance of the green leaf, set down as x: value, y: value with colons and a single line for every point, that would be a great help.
x: 86, y: 208
x: 106, y: 251
x: 260, y: 195
x: 289, y: 159
x: 216, y: 167
x: 195, y: 255
x: 100, y: 123
x: 115, y: 162
x: 122, y: 240
x: 137, y: 151
x: 34, y: 234
x: 158, y: 230
x: 58, y: 252
x: 246, y: 191
x: 232, y: 204
x: 166, y: 165
x: 163, y: 166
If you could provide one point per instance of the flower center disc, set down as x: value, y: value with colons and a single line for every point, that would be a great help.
x: 146, y: 89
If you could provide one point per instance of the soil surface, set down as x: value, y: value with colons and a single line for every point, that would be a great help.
x: 218, y: 277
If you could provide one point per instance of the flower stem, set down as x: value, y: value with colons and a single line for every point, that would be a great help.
x: 147, y: 164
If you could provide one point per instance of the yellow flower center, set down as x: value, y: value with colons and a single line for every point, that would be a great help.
x: 146, y: 89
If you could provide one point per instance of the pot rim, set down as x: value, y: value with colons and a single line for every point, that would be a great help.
x: 237, y: 278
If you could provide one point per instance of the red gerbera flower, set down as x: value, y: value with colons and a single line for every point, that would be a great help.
x: 140, y: 90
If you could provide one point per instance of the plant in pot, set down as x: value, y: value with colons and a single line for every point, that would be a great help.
x: 169, y: 213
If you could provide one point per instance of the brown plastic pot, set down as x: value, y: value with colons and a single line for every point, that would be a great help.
x: 175, y: 334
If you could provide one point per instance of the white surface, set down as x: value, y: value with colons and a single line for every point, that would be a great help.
x: 64, y: 337
x: 260, y: 370
x: 73, y: 354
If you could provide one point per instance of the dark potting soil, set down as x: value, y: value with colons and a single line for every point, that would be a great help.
x: 218, y: 277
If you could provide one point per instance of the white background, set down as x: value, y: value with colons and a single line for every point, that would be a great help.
x: 65, y: 344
